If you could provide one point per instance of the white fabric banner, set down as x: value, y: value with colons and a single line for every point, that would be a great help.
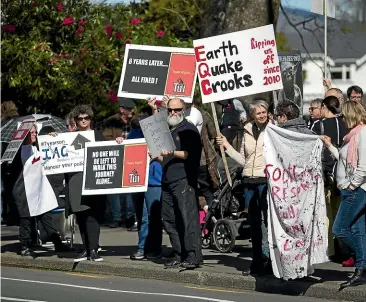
x: 40, y: 195
x: 297, y: 219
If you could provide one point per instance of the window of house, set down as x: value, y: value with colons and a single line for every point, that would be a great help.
x: 348, y: 75
x: 336, y: 75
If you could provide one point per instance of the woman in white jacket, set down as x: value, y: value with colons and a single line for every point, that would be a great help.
x: 351, y: 180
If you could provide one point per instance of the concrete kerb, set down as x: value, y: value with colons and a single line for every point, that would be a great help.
x: 325, y: 290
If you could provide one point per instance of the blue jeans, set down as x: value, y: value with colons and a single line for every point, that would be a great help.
x: 148, y: 214
x: 115, y: 200
x: 349, y: 225
x: 256, y: 200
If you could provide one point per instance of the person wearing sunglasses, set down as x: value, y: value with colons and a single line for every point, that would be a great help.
x: 179, y: 185
x: 89, y: 210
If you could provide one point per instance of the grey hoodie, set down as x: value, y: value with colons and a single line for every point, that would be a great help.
x: 296, y: 125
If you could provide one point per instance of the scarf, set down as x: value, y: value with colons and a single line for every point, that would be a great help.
x: 352, y: 139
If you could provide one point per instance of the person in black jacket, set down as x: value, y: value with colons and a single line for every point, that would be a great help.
x: 333, y: 126
x: 89, y: 210
x: 179, y: 185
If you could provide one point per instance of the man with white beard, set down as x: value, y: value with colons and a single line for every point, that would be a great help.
x: 179, y: 184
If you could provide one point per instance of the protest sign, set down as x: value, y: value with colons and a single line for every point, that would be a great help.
x: 113, y: 168
x: 154, y: 71
x: 297, y: 218
x: 237, y: 64
x: 291, y: 71
x: 64, y: 153
x: 157, y: 134
x: 17, y: 140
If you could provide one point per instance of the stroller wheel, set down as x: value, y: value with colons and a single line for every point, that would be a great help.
x: 224, y: 235
x: 206, y: 241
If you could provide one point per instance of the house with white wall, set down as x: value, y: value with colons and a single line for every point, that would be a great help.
x: 346, y: 51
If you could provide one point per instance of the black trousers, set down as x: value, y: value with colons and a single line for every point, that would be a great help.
x: 27, y: 229
x: 89, y: 226
x: 181, y: 220
x: 205, y: 185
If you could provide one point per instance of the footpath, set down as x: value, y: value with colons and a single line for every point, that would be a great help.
x: 219, y: 270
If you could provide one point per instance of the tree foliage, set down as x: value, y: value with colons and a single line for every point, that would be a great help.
x: 60, y: 53
x: 56, y: 54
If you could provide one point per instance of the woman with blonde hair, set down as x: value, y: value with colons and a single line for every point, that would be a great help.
x: 255, y: 184
x: 349, y: 225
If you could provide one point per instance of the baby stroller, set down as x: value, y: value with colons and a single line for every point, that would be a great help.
x: 224, y: 222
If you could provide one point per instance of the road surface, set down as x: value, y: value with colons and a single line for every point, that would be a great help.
x: 39, y: 286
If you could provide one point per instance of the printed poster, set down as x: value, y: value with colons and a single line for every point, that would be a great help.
x: 113, y: 168
x: 297, y: 218
x: 238, y: 64
x: 64, y: 153
x: 291, y: 71
x: 154, y: 71
x: 17, y: 140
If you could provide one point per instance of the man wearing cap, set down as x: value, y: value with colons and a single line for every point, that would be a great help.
x: 119, y: 125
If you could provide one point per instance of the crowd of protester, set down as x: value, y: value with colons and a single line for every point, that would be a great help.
x: 178, y: 178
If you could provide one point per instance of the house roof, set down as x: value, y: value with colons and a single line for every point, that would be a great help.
x: 346, y: 40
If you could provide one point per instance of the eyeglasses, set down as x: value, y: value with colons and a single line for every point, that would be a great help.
x: 312, y: 108
x: 177, y: 110
x: 356, y: 97
x: 80, y: 118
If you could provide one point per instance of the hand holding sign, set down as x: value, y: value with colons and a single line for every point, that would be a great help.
x: 157, y: 134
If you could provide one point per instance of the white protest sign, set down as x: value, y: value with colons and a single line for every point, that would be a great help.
x: 64, y: 153
x: 238, y: 64
x: 297, y: 218
x: 157, y: 134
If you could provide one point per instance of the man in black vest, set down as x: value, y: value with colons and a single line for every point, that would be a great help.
x: 233, y: 113
x: 179, y: 185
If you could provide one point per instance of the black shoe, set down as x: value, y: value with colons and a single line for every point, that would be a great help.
x: 139, y: 255
x: 172, y: 264
x: 169, y: 256
x: 27, y: 252
x: 94, y: 256
x: 115, y: 224
x: 358, y: 278
x: 133, y: 228
x: 187, y: 264
x: 152, y: 256
x: 62, y: 249
x: 81, y: 257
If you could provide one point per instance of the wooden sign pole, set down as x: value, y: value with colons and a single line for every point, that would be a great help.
x: 223, y: 155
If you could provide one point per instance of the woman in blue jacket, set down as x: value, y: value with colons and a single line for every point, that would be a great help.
x: 148, y: 204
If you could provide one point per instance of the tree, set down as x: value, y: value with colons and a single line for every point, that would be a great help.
x: 58, y: 54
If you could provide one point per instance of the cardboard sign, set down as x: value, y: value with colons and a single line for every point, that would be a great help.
x: 238, y: 64
x: 153, y: 71
x: 291, y: 70
x: 157, y: 134
x: 113, y: 168
x: 17, y: 140
x: 64, y: 153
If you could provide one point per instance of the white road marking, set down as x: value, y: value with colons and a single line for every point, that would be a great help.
x: 119, y: 291
x: 20, y: 300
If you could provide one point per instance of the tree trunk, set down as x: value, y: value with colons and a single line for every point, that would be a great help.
x: 226, y: 16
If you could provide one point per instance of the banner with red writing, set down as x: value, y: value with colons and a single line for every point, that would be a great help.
x: 238, y: 64
x: 297, y: 218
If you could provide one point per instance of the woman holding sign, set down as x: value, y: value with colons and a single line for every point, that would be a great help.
x: 255, y: 184
x: 89, y: 210
x: 349, y: 225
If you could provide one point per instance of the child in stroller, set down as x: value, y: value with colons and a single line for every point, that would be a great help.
x: 224, y: 220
